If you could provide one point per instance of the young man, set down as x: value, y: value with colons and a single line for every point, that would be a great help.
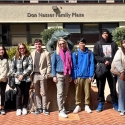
x: 104, y: 51
x: 83, y: 71
x: 41, y: 69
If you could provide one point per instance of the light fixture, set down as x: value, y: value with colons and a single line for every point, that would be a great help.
x: 54, y: 7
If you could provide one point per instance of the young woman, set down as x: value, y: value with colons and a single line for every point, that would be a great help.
x: 21, y: 68
x: 4, y: 72
x: 61, y: 71
x: 119, y: 60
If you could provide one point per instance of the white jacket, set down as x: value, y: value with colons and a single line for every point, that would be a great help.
x: 4, y: 69
x: 119, y: 60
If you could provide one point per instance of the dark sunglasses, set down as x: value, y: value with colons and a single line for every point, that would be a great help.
x: 62, y: 44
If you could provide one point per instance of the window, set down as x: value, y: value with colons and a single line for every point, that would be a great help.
x: 3, y: 33
x: 35, y: 31
x: 109, y: 26
x: 18, y: 33
x: 73, y: 28
x: 50, y: 1
x: 90, y: 1
x: 15, y: 1
x: 90, y: 28
x: 91, y: 33
x: 119, y: 1
x: 12, y: 34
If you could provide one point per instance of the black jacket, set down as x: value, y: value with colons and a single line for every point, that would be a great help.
x: 98, y: 52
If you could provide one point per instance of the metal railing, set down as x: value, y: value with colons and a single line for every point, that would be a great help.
x: 48, y: 1
x: 119, y: 1
x: 96, y: 1
x: 14, y: 1
x: 62, y: 1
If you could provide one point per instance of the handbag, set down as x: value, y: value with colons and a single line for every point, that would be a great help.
x: 11, y: 82
x: 114, y: 69
x: 100, y: 70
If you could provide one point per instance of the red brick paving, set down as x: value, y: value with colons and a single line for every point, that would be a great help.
x: 106, y: 117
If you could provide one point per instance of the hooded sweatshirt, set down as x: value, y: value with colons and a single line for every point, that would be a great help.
x: 105, y: 50
x: 84, y: 67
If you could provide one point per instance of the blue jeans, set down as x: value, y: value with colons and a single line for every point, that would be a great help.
x: 121, y: 97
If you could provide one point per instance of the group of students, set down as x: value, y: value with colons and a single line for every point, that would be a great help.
x: 65, y: 66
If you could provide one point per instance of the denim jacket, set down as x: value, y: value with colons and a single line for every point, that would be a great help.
x: 57, y: 64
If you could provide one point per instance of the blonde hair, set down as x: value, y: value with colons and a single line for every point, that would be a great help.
x: 57, y: 46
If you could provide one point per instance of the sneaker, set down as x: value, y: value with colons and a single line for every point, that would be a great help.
x: 121, y: 113
x: 62, y: 114
x: 24, y: 111
x: 118, y: 110
x: 87, y: 109
x: 2, y: 112
x: 18, y: 112
x: 66, y: 112
x: 77, y: 109
x: 100, y: 107
x: 45, y: 111
x: 38, y: 111
x: 115, y: 106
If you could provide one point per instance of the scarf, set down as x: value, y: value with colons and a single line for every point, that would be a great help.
x: 66, y: 58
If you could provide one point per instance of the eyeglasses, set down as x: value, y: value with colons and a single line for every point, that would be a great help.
x: 21, y: 48
x: 62, y: 44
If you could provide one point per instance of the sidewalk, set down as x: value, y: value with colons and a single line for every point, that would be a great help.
x: 106, y: 117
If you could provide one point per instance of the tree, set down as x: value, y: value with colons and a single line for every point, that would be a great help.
x: 118, y: 34
x: 47, y: 33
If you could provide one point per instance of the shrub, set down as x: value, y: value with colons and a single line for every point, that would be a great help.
x: 12, y: 50
x: 47, y: 33
x: 118, y: 33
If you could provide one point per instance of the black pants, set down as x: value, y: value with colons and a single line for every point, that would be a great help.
x: 2, y: 92
x: 112, y: 85
x: 22, y: 95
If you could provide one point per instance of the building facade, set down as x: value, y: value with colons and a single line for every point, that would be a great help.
x: 24, y: 20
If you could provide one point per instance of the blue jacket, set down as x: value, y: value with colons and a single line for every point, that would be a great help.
x: 57, y: 64
x: 85, y: 66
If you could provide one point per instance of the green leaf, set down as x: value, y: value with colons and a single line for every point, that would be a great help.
x: 118, y: 34
x: 47, y: 33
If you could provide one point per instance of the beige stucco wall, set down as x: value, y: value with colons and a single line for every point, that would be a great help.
x: 92, y: 12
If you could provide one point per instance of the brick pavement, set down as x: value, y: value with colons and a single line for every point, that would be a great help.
x: 106, y: 117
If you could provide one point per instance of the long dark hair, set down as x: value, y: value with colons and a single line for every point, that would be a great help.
x: 123, y: 49
x: 5, y: 55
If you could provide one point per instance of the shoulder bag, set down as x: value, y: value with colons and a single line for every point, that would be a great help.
x: 100, y: 68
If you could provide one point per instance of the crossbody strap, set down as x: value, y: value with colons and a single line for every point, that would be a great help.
x: 76, y: 55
